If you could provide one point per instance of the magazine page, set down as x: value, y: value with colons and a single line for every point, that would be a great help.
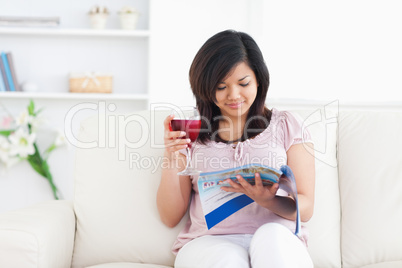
x: 217, y: 204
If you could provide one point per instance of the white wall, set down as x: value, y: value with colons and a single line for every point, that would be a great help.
x: 179, y: 28
x: 347, y: 50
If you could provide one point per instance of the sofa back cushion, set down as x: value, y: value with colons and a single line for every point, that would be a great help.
x: 370, y: 178
x: 116, y: 178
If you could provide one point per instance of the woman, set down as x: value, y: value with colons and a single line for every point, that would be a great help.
x: 230, y: 80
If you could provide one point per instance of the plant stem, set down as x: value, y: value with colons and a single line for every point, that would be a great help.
x: 49, y: 177
x: 40, y: 165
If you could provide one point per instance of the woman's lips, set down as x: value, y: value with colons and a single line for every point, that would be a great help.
x: 235, y: 105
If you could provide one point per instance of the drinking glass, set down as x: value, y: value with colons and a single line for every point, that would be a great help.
x: 187, y: 119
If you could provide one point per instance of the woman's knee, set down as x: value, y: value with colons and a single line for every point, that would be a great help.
x: 273, y: 231
x: 212, y: 252
x: 276, y: 244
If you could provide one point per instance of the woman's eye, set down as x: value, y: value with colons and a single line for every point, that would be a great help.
x: 221, y: 88
x: 246, y: 84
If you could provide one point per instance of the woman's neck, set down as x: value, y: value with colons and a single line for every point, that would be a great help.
x: 232, y: 130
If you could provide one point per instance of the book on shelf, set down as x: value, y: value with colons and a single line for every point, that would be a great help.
x: 7, y: 71
x: 3, y: 78
x: 3, y: 74
x: 2, y: 82
x: 26, y: 21
x: 12, y: 70
x: 217, y: 204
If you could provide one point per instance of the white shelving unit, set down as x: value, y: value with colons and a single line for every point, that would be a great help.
x: 46, y: 56
x: 73, y: 32
x: 73, y: 96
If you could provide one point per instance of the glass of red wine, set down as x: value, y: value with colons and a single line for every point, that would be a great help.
x: 187, y: 119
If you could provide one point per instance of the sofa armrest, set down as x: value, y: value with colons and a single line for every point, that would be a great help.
x: 39, y: 236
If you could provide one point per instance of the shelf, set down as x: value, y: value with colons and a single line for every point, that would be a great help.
x: 72, y: 96
x: 73, y: 32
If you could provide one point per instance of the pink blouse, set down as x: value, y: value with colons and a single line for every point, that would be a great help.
x: 267, y: 148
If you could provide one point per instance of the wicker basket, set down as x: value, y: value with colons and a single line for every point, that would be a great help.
x: 91, y: 83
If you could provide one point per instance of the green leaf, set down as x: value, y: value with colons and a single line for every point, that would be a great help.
x: 41, y: 166
x: 49, y: 150
x: 36, y: 166
x: 31, y: 108
x: 35, y: 160
x: 50, y: 179
x: 38, y: 111
x: 7, y: 132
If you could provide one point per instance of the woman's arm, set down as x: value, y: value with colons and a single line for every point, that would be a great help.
x: 173, y: 196
x: 302, y: 162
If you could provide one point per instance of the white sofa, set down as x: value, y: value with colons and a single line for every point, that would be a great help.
x: 113, y: 220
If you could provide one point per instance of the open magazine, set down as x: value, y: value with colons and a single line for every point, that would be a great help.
x: 217, y: 205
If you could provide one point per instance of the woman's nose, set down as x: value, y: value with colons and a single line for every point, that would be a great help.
x: 233, y: 93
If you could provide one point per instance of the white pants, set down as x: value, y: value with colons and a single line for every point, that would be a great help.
x: 272, y: 245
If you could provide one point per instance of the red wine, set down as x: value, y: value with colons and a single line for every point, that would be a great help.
x: 191, y: 127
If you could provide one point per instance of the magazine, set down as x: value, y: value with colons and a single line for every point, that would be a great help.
x: 217, y: 205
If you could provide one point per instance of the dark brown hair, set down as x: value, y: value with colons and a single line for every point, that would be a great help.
x: 213, y: 62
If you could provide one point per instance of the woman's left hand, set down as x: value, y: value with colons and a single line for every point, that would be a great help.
x: 261, y: 194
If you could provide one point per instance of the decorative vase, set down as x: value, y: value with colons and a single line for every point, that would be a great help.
x: 98, y: 21
x: 128, y: 21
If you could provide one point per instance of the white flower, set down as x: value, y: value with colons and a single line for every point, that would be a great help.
x: 5, y: 156
x: 23, y: 119
x: 36, y: 122
x: 22, y: 143
x: 4, y: 149
x: 11, y: 161
x: 60, y: 140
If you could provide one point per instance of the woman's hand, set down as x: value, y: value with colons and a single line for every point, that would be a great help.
x: 261, y: 194
x: 173, y: 140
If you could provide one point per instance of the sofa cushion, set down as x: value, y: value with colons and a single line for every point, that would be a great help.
x: 38, y: 236
x: 391, y: 264
x: 370, y: 178
x: 127, y: 265
x: 324, y: 226
x: 115, y: 192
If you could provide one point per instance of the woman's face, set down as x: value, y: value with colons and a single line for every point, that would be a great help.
x: 236, y: 94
